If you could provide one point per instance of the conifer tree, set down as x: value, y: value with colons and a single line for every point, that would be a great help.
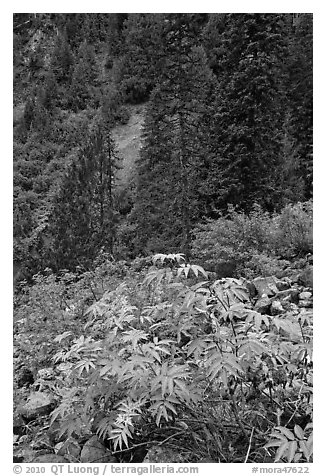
x: 249, y: 109
x: 174, y: 150
x: 82, y: 88
x: 143, y: 52
x: 62, y: 59
x: 83, y: 219
x: 300, y: 95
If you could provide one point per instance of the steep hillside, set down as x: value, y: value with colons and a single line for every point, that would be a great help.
x: 127, y: 138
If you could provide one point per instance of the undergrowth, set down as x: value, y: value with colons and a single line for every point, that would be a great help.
x: 167, y: 355
x: 254, y: 244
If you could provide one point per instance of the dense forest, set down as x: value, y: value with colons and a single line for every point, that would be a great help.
x: 110, y: 251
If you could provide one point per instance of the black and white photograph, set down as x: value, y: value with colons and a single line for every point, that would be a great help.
x: 162, y: 241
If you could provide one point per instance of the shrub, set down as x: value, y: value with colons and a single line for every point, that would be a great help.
x: 245, y: 245
x: 295, y: 224
x: 190, y: 360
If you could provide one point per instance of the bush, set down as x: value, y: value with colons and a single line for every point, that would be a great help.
x: 257, y: 243
x: 295, y: 224
x: 193, y: 357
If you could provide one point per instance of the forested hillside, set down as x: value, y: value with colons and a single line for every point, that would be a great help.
x: 228, y: 121
x: 187, y: 137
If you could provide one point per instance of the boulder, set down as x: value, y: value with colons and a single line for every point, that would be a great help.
x: 283, y: 284
x: 69, y: 447
x: 263, y: 305
x: 307, y: 304
x: 162, y: 454
x: 50, y: 458
x: 46, y: 374
x: 305, y: 295
x: 276, y: 308
x: 306, y: 277
x: 53, y: 433
x: 250, y: 288
x: 265, y: 286
x: 19, y: 425
x: 285, y: 294
x: 24, y: 377
x: 94, y: 451
x: 38, y: 404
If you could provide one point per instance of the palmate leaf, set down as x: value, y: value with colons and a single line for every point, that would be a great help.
x: 110, y: 366
x: 285, y: 431
x: 291, y: 328
x: 63, y: 336
x: 177, y: 257
x: 199, y: 288
x: 186, y: 268
x: 166, y: 378
x: 250, y: 347
x: 105, y: 427
x: 256, y: 318
x: 85, y: 364
x: 307, y: 447
x: 197, y: 346
x: 162, y: 406
x: 234, y: 311
x: 156, y: 274
x: 154, y: 349
x: 298, y: 431
x: 223, y: 366
x: 281, y: 451
x: 230, y: 290
x: 287, y: 443
x: 134, y: 336
x: 123, y: 426
x: 120, y: 435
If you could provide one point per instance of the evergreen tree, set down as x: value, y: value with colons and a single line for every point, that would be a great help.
x: 62, y: 59
x: 175, y: 149
x: 249, y: 110
x: 300, y: 95
x: 143, y: 52
x: 83, y: 219
x: 82, y: 88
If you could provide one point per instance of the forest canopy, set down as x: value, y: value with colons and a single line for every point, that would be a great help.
x: 227, y: 121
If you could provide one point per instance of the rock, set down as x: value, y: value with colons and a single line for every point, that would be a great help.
x: 305, y: 295
x: 307, y: 304
x: 53, y: 433
x: 38, y: 404
x: 263, y: 305
x: 295, y: 295
x: 24, y: 377
x: 276, y: 308
x: 19, y: 425
x: 250, y: 288
x: 265, y: 286
x: 285, y: 294
x: 26, y: 454
x: 283, y: 285
x: 46, y: 374
x: 306, y: 277
x: 94, y: 451
x: 70, y: 447
x: 50, y: 458
x: 161, y: 454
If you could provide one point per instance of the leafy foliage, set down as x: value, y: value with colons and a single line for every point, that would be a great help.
x: 158, y: 364
x: 254, y: 244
